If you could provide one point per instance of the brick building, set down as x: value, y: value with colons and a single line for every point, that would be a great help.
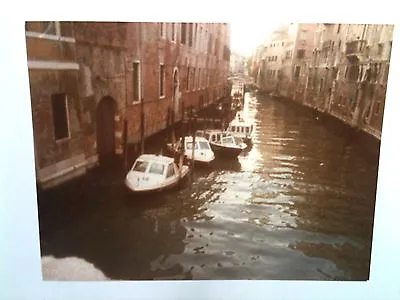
x: 88, y: 80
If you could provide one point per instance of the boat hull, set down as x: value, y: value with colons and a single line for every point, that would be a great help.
x: 160, y: 188
x: 223, y: 151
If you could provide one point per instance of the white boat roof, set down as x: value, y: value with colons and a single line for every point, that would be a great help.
x: 197, y: 139
x: 156, y: 158
x: 210, y: 130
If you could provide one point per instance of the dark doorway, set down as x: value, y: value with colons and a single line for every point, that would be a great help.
x: 105, y: 129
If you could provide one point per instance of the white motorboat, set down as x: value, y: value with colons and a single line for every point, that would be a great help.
x: 241, y: 128
x: 202, y: 149
x: 152, y: 173
x: 222, y: 143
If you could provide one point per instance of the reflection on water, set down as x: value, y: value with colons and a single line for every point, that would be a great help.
x: 298, y: 205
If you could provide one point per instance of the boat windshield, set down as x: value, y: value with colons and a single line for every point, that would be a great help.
x: 228, y: 140
x: 156, y: 168
x: 140, y: 166
x: 200, y: 133
x: 170, y: 170
x: 189, y: 146
x: 204, y: 145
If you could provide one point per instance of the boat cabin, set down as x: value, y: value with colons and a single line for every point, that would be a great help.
x: 164, y: 167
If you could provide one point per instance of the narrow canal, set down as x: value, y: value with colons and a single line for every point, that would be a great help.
x: 298, y: 205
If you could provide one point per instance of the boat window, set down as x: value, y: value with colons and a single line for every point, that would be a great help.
x: 207, y: 136
x: 140, y: 166
x: 233, y: 128
x: 200, y: 133
x: 189, y: 146
x: 247, y: 129
x: 218, y: 138
x: 213, y: 139
x: 228, y: 140
x: 170, y: 170
x: 156, y: 168
x: 204, y: 145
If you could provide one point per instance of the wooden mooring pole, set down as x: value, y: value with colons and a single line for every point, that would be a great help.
x: 142, y: 126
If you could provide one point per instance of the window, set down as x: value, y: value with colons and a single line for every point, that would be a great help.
x: 156, y: 168
x: 198, y: 78
x: 378, y: 107
x: 188, y: 79
x: 338, y: 28
x: 183, y: 33
x: 60, y: 116
x: 189, y: 146
x: 204, y: 145
x: 194, y: 79
x: 49, y: 28
x: 170, y: 170
x: 380, y: 49
x: 297, y: 72
x: 190, y: 34
x: 136, y: 81
x: 300, y: 53
x: 303, y: 35
x: 162, y: 81
x: 140, y: 166
x: 353, y: 73
x: 173, y: 32
x: 53, y: 30
x: 161, y: 29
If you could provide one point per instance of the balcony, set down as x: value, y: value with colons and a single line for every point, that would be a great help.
x: 354, y: 49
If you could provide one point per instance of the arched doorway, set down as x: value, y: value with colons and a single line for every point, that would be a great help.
x: 105, y: 125
x: 176, y: 93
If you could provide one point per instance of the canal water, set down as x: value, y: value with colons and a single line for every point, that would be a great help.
x: 298, y: 205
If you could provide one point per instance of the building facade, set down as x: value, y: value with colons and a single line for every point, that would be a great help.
x: 97, y: 87
x: 351, y: 67
x: 338, y: 69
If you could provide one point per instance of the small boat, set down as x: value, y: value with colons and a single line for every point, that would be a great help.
x: 222, y: 143
x: 153, y: 173
x: 241, y: 128
x: 202, y: 150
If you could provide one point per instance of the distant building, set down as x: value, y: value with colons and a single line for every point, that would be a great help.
x: 237, y: 64
x: 89, y: 81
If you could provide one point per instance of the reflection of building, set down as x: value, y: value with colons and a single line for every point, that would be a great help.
x: 88, y: 80
x: 339, y: 69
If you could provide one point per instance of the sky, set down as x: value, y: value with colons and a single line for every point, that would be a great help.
x: 247, y: 35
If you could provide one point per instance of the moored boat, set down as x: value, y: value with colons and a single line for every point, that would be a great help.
x: 222, y: 143
x: 153, y: 173
x: 202, y: 149
x: 241, y: 128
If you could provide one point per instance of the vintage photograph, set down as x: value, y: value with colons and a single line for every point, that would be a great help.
x: 204, y: 151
